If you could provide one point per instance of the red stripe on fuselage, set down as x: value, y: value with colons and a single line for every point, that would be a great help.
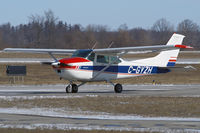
x: 173, y: 57
x: 172, y: 60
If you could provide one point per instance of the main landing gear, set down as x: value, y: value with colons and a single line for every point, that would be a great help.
x: 118, y: 88
x: 73, y: 88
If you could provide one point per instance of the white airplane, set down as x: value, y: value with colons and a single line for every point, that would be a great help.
x: 106, y: 64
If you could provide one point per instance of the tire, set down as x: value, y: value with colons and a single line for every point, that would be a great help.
x: 74, y: 88
x: 118, y: 88
x: 69, y: 89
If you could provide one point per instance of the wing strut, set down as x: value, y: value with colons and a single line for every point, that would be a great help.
x: 111, y: 44
x: 53, y: 56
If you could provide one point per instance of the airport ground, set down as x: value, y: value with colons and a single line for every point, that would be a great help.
x: 140, y: 108
x: 40, y: 104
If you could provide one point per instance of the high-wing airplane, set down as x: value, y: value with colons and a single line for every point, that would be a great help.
x: 106, y: 64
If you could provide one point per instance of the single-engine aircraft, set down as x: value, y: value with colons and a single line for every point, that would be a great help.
x: 86, y: 65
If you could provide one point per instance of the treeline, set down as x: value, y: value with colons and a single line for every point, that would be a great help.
x: 47, y: 31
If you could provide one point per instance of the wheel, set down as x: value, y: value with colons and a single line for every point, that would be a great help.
x: 74, y: 88
x: 69, y: 89
x: 118, y: 88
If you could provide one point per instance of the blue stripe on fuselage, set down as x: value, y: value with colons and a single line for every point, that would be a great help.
x: 171, y: 64
x: 124, y: 69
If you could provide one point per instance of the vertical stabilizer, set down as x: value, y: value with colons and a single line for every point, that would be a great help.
x: 168, y: 57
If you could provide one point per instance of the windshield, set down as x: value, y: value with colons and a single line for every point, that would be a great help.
x: 81, y: 53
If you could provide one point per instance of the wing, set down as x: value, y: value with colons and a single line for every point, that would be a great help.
x: 30, y: 50
x: 175, y: 42
x: 126, y: 50
x: 140, y: 49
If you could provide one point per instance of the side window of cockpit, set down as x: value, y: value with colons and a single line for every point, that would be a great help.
x: 91, y: 57
x: 102, y: 59
x: 114, y: 60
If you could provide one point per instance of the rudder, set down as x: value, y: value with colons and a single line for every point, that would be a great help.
x: 169, y: 57
x: 165, y: 58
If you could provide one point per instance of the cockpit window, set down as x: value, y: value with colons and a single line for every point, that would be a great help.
x: 102, y: 59
x: 114, y: 59
x: 81, y: 53
x: 91, y: 56
x: 107, y: 59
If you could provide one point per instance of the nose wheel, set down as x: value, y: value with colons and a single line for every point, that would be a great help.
x: 72, y: 88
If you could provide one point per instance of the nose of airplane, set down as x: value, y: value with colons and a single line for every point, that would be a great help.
x: 55, y: 64
x: 73, y: 60
x: 68, y: 62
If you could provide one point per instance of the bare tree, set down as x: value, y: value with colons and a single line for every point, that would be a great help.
x: 187, y: 26
x: 161, y: 30
x: 45, y: 31
x: 191, y: 30
x: 123, y: 27
x: 162, y: 25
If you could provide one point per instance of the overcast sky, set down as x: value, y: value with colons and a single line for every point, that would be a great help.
x: 134, y: 13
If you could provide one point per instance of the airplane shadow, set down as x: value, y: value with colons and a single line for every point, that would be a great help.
x: 104, y: 92
x: 123, y: 92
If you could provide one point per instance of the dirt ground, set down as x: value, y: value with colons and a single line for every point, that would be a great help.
x: 138, y: 105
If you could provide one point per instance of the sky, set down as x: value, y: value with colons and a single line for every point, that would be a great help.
x: 112, y: 13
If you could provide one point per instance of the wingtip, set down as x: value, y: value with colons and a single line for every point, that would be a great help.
x: 183, y: 46
x: 189, y: 47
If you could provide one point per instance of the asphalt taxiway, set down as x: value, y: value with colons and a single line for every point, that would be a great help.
x: 128, y: 90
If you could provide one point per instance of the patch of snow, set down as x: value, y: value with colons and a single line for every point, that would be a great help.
x: 96, y: 127
x: 12, y: 98
x: 59, y: 112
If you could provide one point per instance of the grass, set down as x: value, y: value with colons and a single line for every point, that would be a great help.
x: 144, y: 105
x: 43, y: 74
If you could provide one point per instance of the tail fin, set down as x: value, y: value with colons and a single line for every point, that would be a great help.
x: 166, y: 58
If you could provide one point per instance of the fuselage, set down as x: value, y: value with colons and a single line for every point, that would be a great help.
x: 82, y: 69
